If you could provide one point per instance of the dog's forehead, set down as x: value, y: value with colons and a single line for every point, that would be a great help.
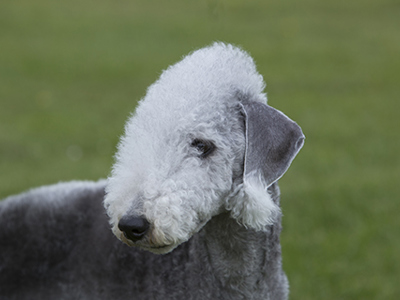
x: 201, y: 88
x: 172, y: 124
x: 196, y: 96
x: 207, y: 75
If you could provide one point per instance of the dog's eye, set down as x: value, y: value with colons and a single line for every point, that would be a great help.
x: 204, y: 147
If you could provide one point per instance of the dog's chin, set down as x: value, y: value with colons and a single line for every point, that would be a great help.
x: 143, y: 245
x: 157, y: 250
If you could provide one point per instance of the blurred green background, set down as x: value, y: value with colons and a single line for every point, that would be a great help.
x: 71, y: 72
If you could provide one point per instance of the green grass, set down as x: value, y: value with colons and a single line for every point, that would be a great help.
x: 72, y: 71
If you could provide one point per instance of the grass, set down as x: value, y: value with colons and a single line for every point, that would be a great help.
x: 72, y: 71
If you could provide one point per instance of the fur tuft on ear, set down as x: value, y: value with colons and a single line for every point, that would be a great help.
x: 253, y: 206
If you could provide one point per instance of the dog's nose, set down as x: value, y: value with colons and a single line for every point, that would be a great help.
x: 134, y: 228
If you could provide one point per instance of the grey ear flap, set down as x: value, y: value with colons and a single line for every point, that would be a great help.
x: 272, y: 142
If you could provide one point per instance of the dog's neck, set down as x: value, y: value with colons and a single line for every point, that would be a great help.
x: 240, y: 257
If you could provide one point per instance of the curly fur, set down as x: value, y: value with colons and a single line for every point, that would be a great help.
x: 216, y: 220
x: 201, y: 88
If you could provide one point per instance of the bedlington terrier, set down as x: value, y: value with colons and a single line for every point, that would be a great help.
x: 193, y: 190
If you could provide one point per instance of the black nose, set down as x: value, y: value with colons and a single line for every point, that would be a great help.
x: 134, y: 228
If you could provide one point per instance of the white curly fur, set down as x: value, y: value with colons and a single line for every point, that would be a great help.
x: 253, y: 206
x: 192, y: 99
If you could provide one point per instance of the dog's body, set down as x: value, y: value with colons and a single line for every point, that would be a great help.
x: 77, y: 256
x: 194, y: 180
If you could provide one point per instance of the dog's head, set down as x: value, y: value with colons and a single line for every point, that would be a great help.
x: 203, y: 141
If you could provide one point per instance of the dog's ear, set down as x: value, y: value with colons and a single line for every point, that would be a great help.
x: 272, y: 142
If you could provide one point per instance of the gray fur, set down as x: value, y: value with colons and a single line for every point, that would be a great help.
x: 214, y: 220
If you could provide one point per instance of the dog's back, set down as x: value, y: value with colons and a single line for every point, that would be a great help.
x: 44, y: 239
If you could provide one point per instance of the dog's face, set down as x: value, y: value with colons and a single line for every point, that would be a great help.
x: 175, y: 172
x: 196, y: 147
